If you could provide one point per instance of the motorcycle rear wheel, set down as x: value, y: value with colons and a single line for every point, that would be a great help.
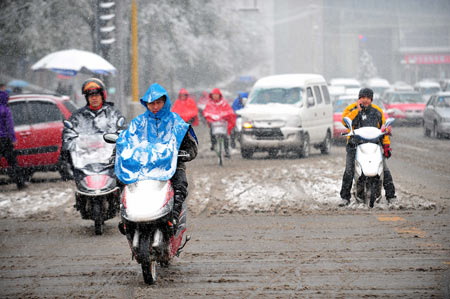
x: 98, y: 219
x: 372, y: 192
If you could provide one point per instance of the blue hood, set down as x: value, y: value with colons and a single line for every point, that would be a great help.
x: 148, y: 149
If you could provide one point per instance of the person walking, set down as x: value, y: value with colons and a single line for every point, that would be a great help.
x: 8, y: 138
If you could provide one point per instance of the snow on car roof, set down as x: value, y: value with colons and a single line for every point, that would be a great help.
x: 289, y: 80
x: 344, y: 81
x: 380, y: 82
x: 427, y: 84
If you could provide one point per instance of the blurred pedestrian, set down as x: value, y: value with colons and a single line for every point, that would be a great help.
x: 186, y: 108
x: 8, y: 138
x: 238, y: 104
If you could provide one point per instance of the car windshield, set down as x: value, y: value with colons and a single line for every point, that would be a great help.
x: 443, y: 102
x: 379, y: 90
x: 430, y: 90
x: 406, y: 98
x: 276, y: 95
x: 340, y: 104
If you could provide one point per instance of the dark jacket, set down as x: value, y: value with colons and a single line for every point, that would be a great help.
x: 86, y: 120
x: 189, y: 144
x: 6, y: 120
x: 371, y: 116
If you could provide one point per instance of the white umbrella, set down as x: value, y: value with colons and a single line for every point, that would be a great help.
x: 70, y: 62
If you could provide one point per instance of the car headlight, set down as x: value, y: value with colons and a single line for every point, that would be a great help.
x: 247, y: 125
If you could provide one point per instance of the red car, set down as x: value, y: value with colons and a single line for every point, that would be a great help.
x: 338, y: 108
x: 404, y: 106
x: 38, y: 126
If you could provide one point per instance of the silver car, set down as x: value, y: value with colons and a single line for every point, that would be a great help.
x: 436, y: 116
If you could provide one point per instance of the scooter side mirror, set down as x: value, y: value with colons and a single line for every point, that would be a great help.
x: 348, y: 123
x: 68, y: 124
x: 110, y: 137
x: 389, y: 121
x: 120, y: 122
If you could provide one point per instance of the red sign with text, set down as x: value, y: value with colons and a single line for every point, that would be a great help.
x: 427, y: 58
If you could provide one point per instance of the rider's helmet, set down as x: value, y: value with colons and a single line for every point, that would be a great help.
x: 366, y: 93
x: 93, y: 86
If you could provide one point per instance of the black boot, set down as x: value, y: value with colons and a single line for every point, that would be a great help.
x: 177, y: 206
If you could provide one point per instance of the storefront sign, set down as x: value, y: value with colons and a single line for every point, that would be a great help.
x: 427, y: 59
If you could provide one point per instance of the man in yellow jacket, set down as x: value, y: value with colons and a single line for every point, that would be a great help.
x: 365, y: 114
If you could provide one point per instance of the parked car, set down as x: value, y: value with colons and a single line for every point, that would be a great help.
x: 427, y: 88
x: 436, y: 116
x: 38, y: 126
x: 378, y: 85
x: 338, y: 108
x: 401, y: 86
x: 405, y: 106
x: 289, y: 113
x: 351, y: 85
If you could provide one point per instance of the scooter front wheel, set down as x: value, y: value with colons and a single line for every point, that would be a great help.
x: 148, y: 266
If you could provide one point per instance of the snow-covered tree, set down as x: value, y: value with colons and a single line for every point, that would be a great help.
x: 181, y: 43
x: 367, y: 68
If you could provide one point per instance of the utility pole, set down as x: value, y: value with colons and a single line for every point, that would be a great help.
x: 134, y: 52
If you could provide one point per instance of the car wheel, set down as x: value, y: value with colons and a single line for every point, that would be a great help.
x: 246, y: 153
x: 305, y: 148
x: 325, y: 147
x: 65, y: 171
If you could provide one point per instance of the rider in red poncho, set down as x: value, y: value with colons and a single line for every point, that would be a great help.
x: 186, y: 108
x: 218, y: 109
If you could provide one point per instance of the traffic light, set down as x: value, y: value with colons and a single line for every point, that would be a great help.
x: 106, y: 18
x: 362, y: 38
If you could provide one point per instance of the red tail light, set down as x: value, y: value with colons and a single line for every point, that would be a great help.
x: 96, y: 181
x: 124, y: 199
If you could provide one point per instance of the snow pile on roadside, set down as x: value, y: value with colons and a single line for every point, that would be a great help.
x: 28, y: 202
x: 284, y: 190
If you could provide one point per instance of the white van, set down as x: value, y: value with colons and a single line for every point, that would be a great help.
x: 427, y: 88
x: 287, y: 112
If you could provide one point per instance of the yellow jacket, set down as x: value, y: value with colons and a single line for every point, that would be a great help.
x: 372, y: 117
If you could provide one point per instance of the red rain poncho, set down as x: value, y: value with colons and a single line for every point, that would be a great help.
x: 219, y: 110
x: 186, y: 108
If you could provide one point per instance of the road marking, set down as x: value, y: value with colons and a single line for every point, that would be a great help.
x: 411, y: 231
x: 385, y: 218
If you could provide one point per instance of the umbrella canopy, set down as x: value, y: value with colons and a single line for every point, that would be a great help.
x: 70, y: 62
x: 18, y: 83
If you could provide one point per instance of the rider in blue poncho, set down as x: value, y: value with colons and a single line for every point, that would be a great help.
x: 149, y: 148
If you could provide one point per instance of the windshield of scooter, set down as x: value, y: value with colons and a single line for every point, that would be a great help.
x: 91, y: 153
x: 369, y: 134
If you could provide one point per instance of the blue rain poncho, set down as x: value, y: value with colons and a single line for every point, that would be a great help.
x: 148, y: 149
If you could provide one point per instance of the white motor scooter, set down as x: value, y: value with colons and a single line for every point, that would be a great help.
x: 146, y: 213
x: 369, y: 170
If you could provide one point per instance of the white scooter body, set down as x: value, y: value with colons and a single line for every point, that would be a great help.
x: 369, y: 158
x: 369, y: 172
x: 146, y: 201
